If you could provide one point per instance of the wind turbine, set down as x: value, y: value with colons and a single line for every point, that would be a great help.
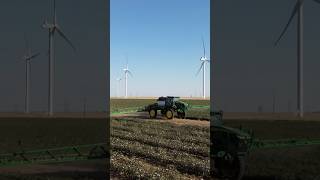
x: 54, y: 27
x: 298, y: 9
x: 126, y: 72
x: 27, y: 58
x: 203, y: 60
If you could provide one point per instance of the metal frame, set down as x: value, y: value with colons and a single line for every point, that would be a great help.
x: 54, y: 155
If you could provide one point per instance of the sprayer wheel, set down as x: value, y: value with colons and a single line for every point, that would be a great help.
x: 232, y: 169
x: 153, y: 113
x: 169, y: 114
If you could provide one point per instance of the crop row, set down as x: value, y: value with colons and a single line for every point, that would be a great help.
x: 136, y: 168
x: 164, y: 143
x: 185, y: 138
x: 183, y: 162
x: 198, y: 136
x: 161, y: 126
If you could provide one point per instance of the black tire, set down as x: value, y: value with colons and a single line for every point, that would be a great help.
x: 242, y: 167
x: 233, y: 170
x: 181, y: 115
x: 169, y: 114
x: 153, y: 113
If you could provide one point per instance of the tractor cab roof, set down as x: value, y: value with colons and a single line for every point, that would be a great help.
x: 162, y: 98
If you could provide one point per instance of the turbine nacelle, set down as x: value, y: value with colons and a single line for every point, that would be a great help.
x: 47, y: 25
x: 204, y: 59
x: 128, y: 72
x: 25, y: 57
x: 30, y: 57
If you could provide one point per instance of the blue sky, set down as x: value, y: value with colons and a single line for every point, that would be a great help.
x: 162, y: 40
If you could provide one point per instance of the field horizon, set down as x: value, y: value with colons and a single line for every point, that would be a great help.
x: 156, y: 97
x: 314, y: 116
x: 55, y: 115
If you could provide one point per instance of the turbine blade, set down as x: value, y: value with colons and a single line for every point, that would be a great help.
x: 45, y: 24
x: 28, y: 47
x: 200, y: 68
x: 130, y: 73
x: 34, y: 56
x: 26, y: 41
x: 317, y: 1
x: 204, y: 48
x: 22, y: 59
x: 127, y: 61
x: 54, y: 12
x: 65, y: 38
x: 294, y: 11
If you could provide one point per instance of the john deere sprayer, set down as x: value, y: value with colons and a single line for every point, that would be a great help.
x: 168, y: 106
x: 230, y: 148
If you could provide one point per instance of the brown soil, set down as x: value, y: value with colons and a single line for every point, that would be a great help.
x: 95, y: 169
x: 145, y: 116
x: 34, y: 169
x: 187, y: 122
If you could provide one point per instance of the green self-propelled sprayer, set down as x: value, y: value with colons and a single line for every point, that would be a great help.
x: 230, y: 148
x: 168, y: 106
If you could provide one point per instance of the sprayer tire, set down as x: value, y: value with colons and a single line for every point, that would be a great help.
x: 153, y: 113
x: 169, y: 114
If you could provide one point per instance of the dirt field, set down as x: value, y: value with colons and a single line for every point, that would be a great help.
x: 17, y: 133
x: 170, y: 149
x: 80, y: 170
x: 282, y: 163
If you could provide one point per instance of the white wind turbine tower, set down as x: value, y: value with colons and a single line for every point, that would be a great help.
x: 203, y: 60
x: 126, y: 72
x: 298, y: 10
x: 27, y: 58
x: 54, y: 27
